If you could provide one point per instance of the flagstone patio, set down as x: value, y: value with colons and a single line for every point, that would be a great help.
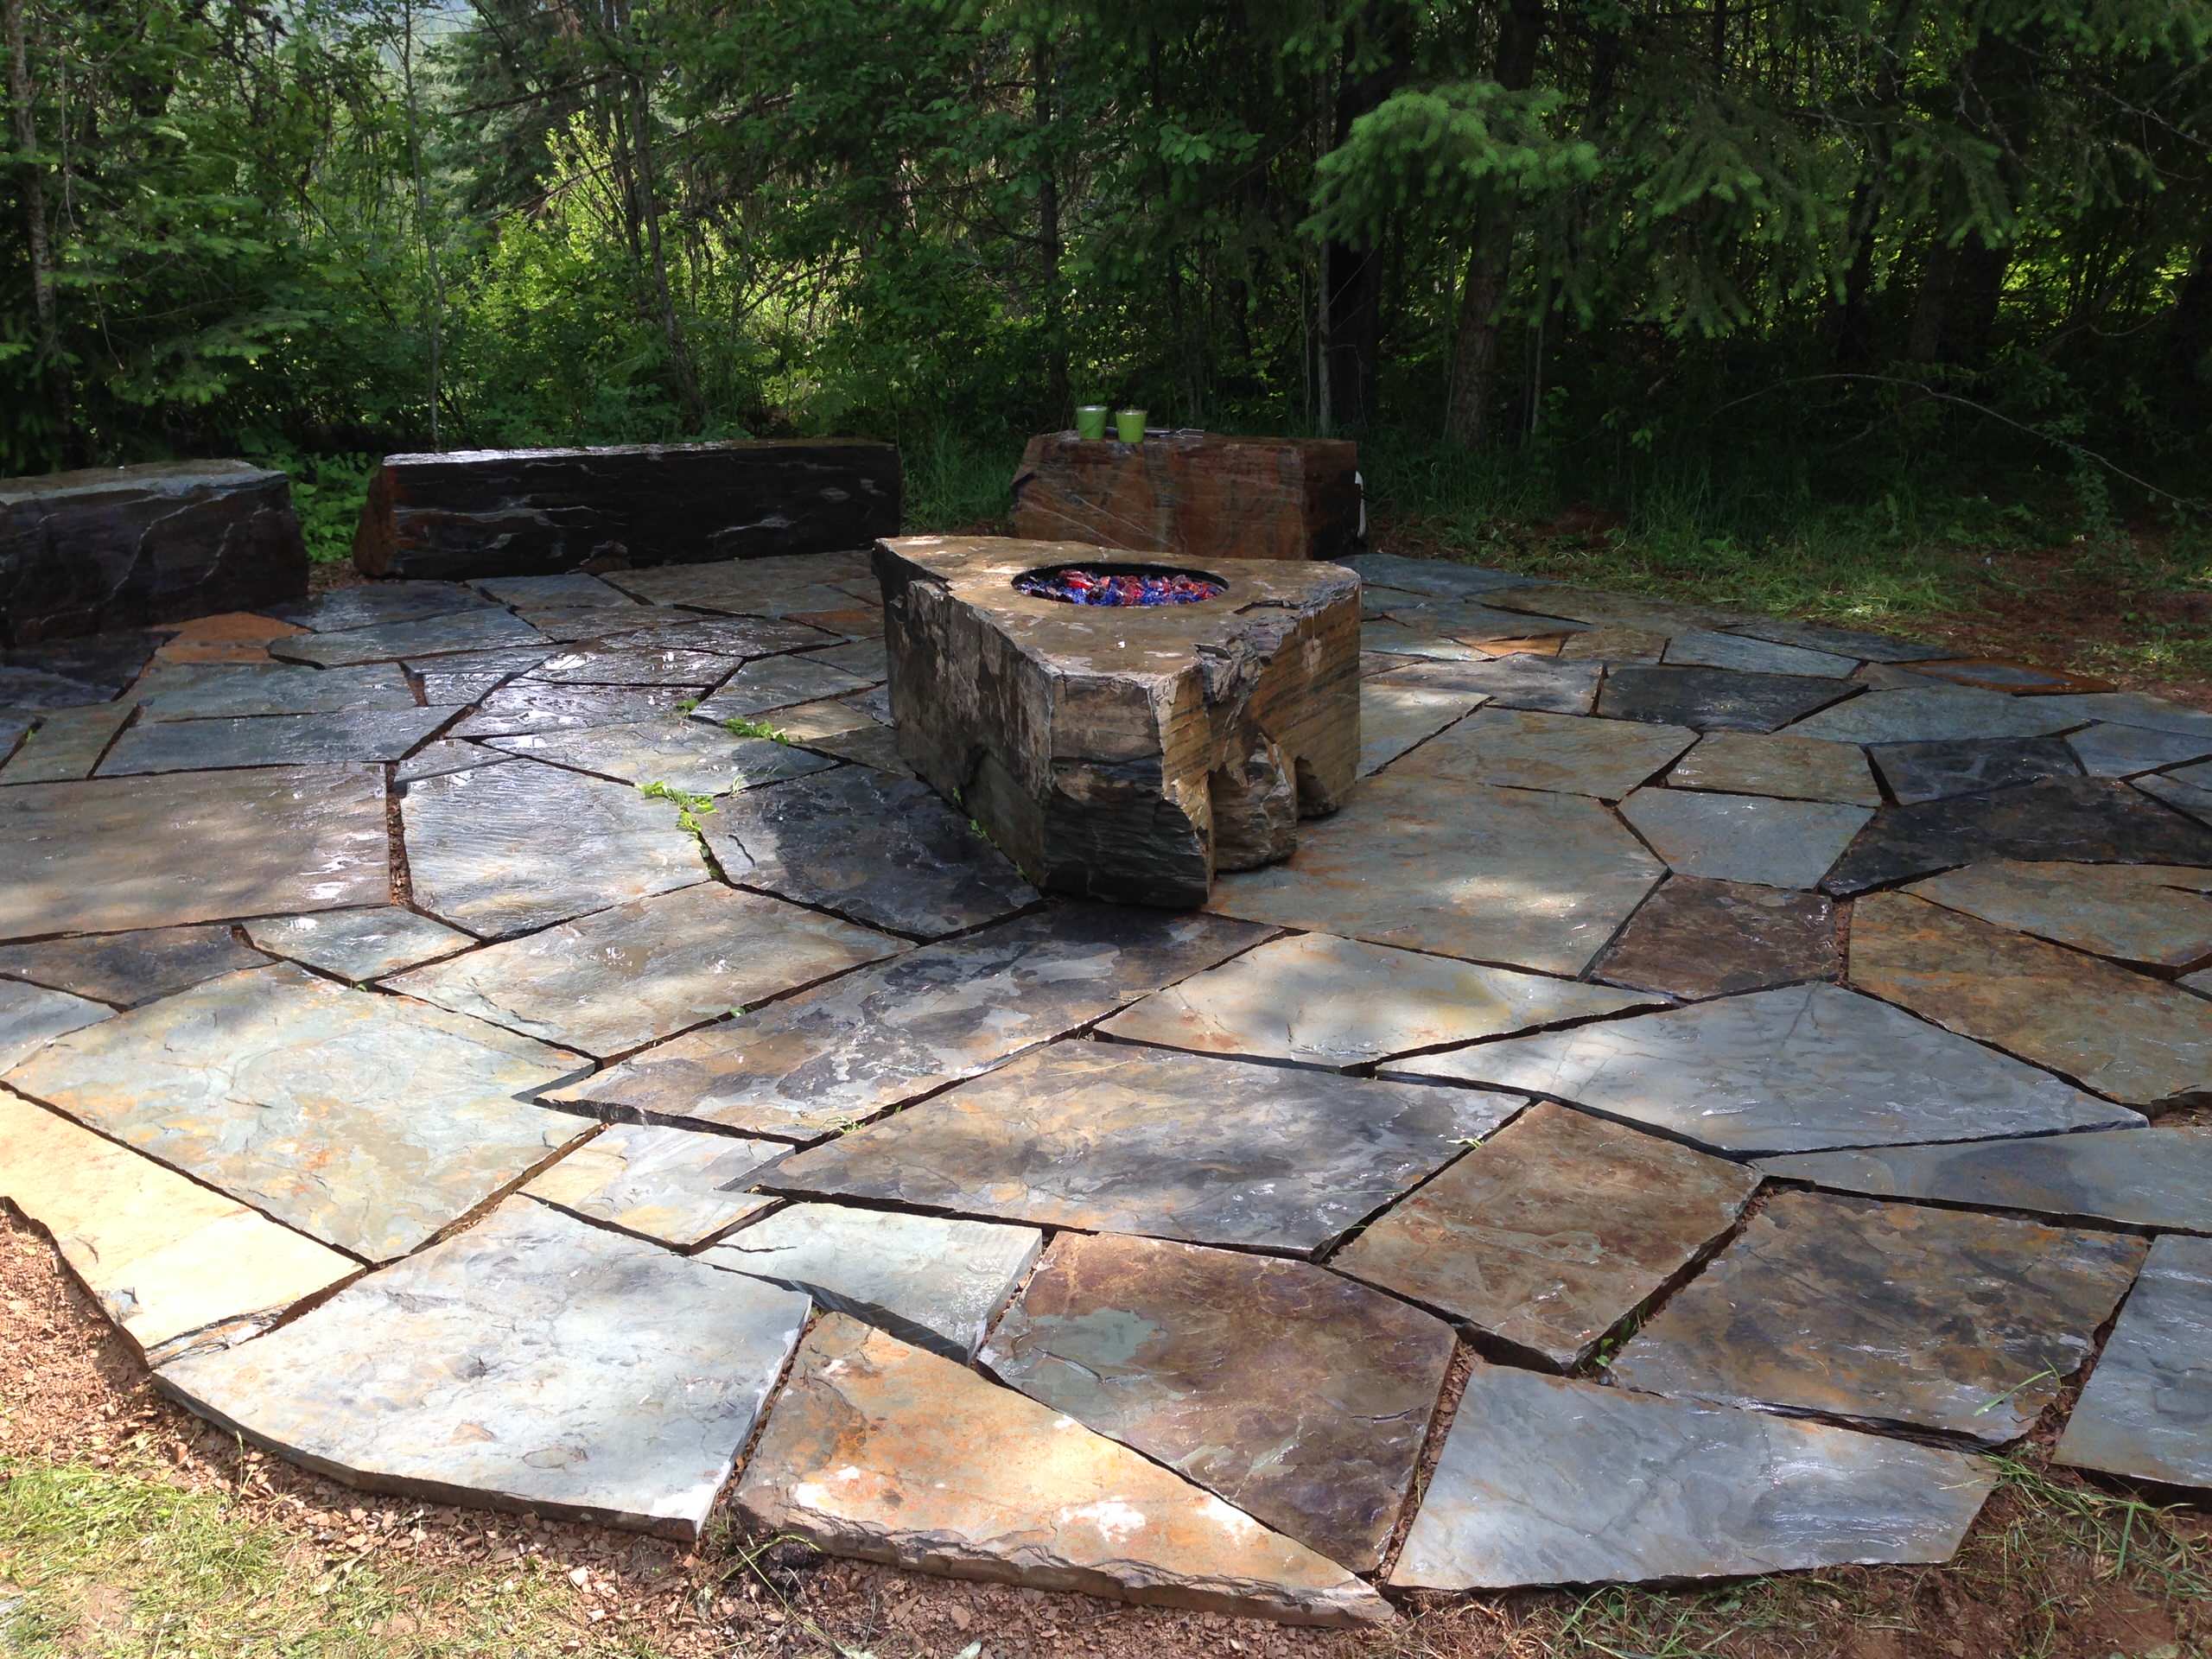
x: 1717, y: 1078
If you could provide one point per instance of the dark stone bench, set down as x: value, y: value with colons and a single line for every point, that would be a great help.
x: 114, y: 547
x: 525, y: 512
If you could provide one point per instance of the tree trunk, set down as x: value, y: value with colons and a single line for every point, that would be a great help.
x: 1351, y: 273
x: 682, y: 371
x: 423, y: 221
x: 1490, y: 263
x: 1058, y: 399
x: 1963, y: 284
x: 31, y: 182
x: 2190, y: 337
x: 1851, y: 329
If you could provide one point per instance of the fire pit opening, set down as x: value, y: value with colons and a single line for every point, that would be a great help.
x: 1120, y: 584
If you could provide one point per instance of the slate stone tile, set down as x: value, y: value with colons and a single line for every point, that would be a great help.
x: 101, y: 856
x: 1888, y: 1314
x: 621, y: 977
x: 2084, y: 819
x: 743, y: 637
x: 882, y: 849
x: 2141, y: 1178
x: 232, y: 1082
x: 877, y: 1450
x: 526, y: 706
x: 928, y: 1281
x: 1614, y: 645
x: 1394, y: 717
x: 2159, y: 913
x: 606, y: 1379
x: 1521, y: 681
x: 1571, y: 752
x: 697, y: 759
x: 446, y: 754
x: 1296, y: 1395
x: 1715, y: 699
x: 1438, y: 578
x: 812, y: 1063
x: 67, y: 745
x: 2193, y: 800
x: 1744, y: 837
x: 1698, y: 938
x: 358, y: 944
x: 2020, y: 679
x: 2123, y: 751
x: 2200, y: 983
x: 106, y: 662
x: 29, y: 1014
x: 812, y: 723
x: 867, y: 746
x: 270, y: 740
x: 1471, y: 622
x: 2147, y: 1412
x: 1844, y: 642
x: 470, y: 676
x: 620, y: 663
x: 376, y: 604
x: 1703, y: 649
x: 2129, y: 1037
x: 516, y: 846
x: 852, y: 619
x: 1884, y: 677
x: 571, y: 625
x: 866, y: 658
x: 1602, y: 609
x: 1930, y: 772
x: 1935, y: 713
x: 1546, y: 1481
x: 1535, y: 880
x: 2131, y: 709
x: 129, y: 968
x: 429, y: 635
x: 201, y: 691
x: 14, y: 728
x: 163, y: 1256
x: 1791, y: 1070
x: 737, y: 589
x: 568, y: 587
x: 674, y: 1186
x: 34, y: 689
x: 1316, y: 999
x: 1115, y: 1139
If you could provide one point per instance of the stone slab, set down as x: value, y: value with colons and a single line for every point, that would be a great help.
x: 2138, y: 1177
x: 1296, y: 1395
x: 1553, y: 1231
x: 607, y: 1380
x: 1844, y: 642
x: 880, y: 1451
x: 1936, y: 714
x: 1521, y: 681
x: 882, y: 849
x: 1929, y: 772
x: 101, y: 856
x: 2193, y: 798
x: 933, y: 1281
x: 1110, y: 1138
x: 163, y: 1256
x: 566, y: 587
x: 1698, y: 938
x: 67, y: 745
x: 1794, y: 1069
x: 868, y: 660
x: 1545, y: 1481
x: 867, y: 746
x: 2147, y: 1412
x: 374, y: 604
x: 1888, y: 1313
x: 2020, y: 679
x: 1614, y: 645
x: 1534, y: 879
x: 128, y: 968
x: 1440, y: 578
x: 779, y: 683
x: 1518, y: 749
x: 1316, y: 1000
x: 621, y: 977
x: 1604, y: 609
x: 209, y: 690
x: 2131, y: 709
x: 442, y: 755
x: 2129, y: 1037
x: 471, y: 676
x: 233, y: 1083
x: 526, y: 706
x: 812, y: 1063
x: 2156, y: 914
x: 809, y: 722
x: 358, y: 944
x: 621, y: 662
x: 1394, y: 717
x: 448, y: 633
x: 105, y: 663
x: 1797, y: 768
x: 684, y: 754
x: 674, y: 1186
x: 745, y: 637
x: 30, y: 1015
x: 517, y: 846
x: 1700, y: 648
x: 1751, y: 838
x: 2123, y: 751
x: 1715, y: 699
x: 374, y: 734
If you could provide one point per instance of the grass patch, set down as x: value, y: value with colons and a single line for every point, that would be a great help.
x: 956, y: 482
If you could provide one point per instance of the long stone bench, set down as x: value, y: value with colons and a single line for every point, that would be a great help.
x: 521, y: 512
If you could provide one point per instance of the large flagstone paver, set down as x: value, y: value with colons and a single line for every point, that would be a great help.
x: 1697, y: 938
x: 376, y: 604
x: 1700, y: 648
x: 105, y: 663
x: 67, y: 745
x: 2147, y: 1412
x: 2140, y: 1178
x: 1756, y: 763
x: 759, y: 688
x: 1545, y: 1481
x: 1936, y: 714
x: 2085, y: 819
x: 1521, y: 681
x: 164, y: 1256
x: 882, y: 849
x: 1614, y: 645
x: 1751, y: 838
x: 484, y: 629
x: 1799, y: 1069
x: 129, y: 969
x: 270, y: 740
x: 620, y: 977
x: 1318, y: 1000
x: 927, y: 1280
x: 474, y: 675
x: 671, y: 1184
x: 203, y: 691
x: 621, y: 661
x: 30, y: 1015
x: 533, y: 1362
x: 743, y: 637
x: 523, y: 705
x: 2123, y: 751
x: 812, y: 1063
x: 1887, y: 1313
x: 1300, y: 1397
x: 1553, y: 1231
x: 2127, y: 1036
x: 1115, y: 1139
x: 1843, y: 642
x: 358, y: 944
x: 1532, y: 878
x: 1601, y: 609
x: 367, y: 1122
x: 685, y: 755
x: 1571, y: 752
x: 508, y: 847
x: 880, y: 1450
x: 572, y: 588
x: 442, y: 755
x: 2158, y: 913
x: 2181, y: 793
x: 1715, y: 699
x: 1929, y: 772
x: 111, y: 854
x: 867, y: 658
x: 2131, y: 709
x: 1442, y: 578
x: 1394, y: 717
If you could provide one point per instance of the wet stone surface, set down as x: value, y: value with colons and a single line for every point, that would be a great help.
x: 1698, y: 938
x: 758, y: 689
x: 203, y: 691
x: 31, y: 1015
x: 67, y: 745
x: 527, y: 706
x: 270, y: 740
x: 1744, y: 837
x: 687, y: 756
x: 426, y: 636
x: 128, y: 968
x: 1713, y: 699
x: 2147, y: 1412
x: 674, y: 1186
x: 358, y: 944
x: 1930, y: 772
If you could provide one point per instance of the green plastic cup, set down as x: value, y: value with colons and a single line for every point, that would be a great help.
x: 1090, y: 421
x: 1130, y: 425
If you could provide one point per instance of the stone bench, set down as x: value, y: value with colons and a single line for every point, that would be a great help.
x: 116, y: 547
x: 1192, y: 495
x: 525, y: 513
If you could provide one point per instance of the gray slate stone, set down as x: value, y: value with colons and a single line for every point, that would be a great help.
x: 1518, y: 749
x: 129, y: 969
x: 2147, y: 1412
x: 674, y: 1186
x: 621, y: 662
x: 270, y: 740
x: 67, y: 745
x: 683, y: 754
x: 526, y: 706
x: 1844, y: 642
x: 607, y: 1380
x: 1518, y: 681
x: 2194, y: 799
x: 471, y: 676
x: 2131, y: 709
x: 1438, y: 578
x: 29, y: 1014
x: 1394, y: 717
x: 446, y: 754
x: 1744, y: 837
x: 1936, y: 714
x: 780, y: 683
x: 207, y: 690
x: 570, y: 588
x: 2123, y: 751
x: 1929, y: 772
x: 481, y: 629
x: 1715, y: 699
x: 2157, y: 913
x: 1702, y: 649
x: 104, y: 662
x: 358, y: 944
x: 377, y: 604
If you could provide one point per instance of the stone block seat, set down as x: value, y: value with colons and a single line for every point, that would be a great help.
x: 1123, y: 753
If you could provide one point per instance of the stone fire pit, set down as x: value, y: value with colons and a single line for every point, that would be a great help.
x: 1123, y: 751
